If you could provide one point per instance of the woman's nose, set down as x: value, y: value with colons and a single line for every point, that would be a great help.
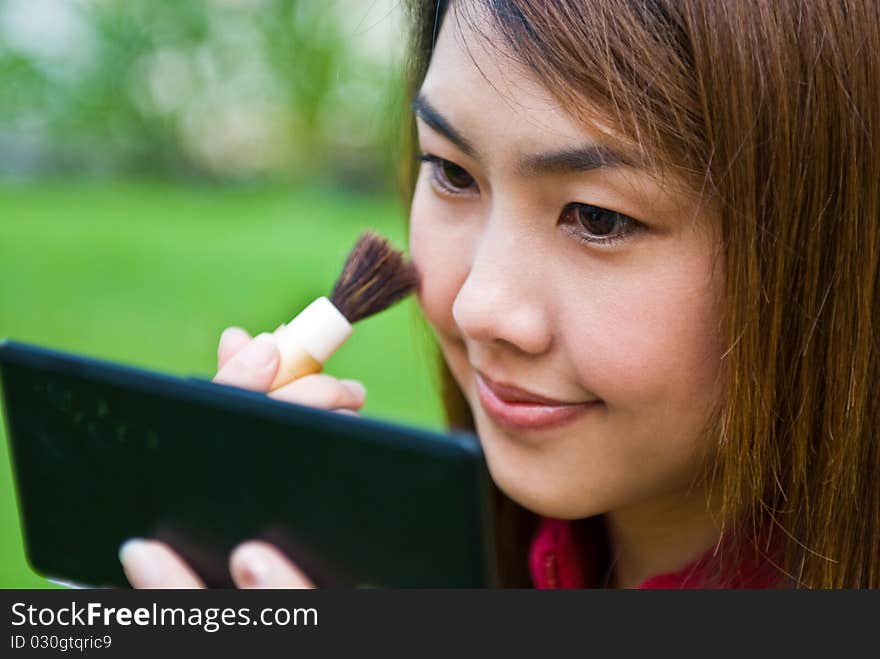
x: 503, y: 297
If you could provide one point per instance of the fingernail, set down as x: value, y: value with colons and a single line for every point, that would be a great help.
x: 233, y: 329
x: 135, y: 556
x: 355, y: 387
x: 129, y: 548
x: 224, y: 336
x: 259, y: 353
x: 254, y: 571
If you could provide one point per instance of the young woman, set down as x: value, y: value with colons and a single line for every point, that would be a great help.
x: 649, y: 235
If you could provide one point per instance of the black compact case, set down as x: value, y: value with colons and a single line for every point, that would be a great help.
x: 102, y: 452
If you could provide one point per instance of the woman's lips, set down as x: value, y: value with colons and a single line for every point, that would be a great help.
x: 527, y: 415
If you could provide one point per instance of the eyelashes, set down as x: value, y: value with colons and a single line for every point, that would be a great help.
x: 592, y: 219
x: 451, y: 178
x: 586, y: 223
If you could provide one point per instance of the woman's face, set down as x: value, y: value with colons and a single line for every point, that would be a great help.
x: 517, y: 285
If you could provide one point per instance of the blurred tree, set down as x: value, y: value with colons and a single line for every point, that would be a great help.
x: 246, y: 89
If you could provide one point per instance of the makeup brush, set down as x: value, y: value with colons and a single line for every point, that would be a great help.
x: 375, y: 276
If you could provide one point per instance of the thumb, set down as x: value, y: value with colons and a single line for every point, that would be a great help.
x: 254, y: 366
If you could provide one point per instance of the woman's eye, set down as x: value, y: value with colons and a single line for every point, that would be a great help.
x: 598, y: 226
x: 451, y: 178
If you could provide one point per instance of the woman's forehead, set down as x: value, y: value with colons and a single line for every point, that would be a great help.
x: 498, y: 105
x: 487, y: 96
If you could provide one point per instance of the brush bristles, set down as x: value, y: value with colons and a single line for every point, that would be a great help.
x: 374, y: 277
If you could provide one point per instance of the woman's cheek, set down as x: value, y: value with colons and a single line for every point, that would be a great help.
x: 613, y: 354
x: 440, y: 259
x: 648, y: 343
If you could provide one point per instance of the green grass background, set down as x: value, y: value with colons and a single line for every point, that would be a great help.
x: 149, y: 274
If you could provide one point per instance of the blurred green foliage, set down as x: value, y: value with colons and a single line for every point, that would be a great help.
x: 228, y: 89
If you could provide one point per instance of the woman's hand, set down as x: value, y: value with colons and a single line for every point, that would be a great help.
x: 249, y: 363
x: 252, y: 564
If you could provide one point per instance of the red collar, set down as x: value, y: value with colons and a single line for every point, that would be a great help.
x: 567, y: 555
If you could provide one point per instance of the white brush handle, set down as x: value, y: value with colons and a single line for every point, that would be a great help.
x: 308, y: 340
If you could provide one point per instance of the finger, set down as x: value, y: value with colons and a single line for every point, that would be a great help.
x: 323, y: 391
x: 342, y: 410
x: 153, y: 564
x: 232, y: 340
x: 254, y: 366
x: 257, y: 564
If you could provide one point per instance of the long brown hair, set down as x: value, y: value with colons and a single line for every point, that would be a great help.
x: 769, y: 108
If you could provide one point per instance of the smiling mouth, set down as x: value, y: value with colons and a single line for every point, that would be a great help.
x: 527, y: 414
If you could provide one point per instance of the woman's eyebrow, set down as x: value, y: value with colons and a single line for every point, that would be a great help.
x: 564, y: 161
x: 427, y: 113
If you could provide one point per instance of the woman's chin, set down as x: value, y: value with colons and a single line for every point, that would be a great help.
x: 541, y: 495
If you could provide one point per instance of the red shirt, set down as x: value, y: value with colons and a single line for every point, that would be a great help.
x: 565, y: 555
